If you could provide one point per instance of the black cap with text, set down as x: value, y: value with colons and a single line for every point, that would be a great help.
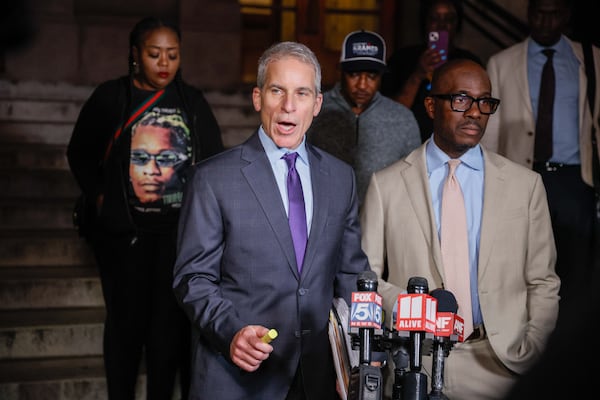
x: 363, y: 51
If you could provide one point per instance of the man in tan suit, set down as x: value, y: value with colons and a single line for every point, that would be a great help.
x: 567, y: 175
x: 514, y: 289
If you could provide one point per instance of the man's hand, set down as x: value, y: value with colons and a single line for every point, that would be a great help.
x: 247, y: 349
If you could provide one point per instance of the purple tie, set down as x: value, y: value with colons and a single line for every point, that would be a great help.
x: 296, y: 213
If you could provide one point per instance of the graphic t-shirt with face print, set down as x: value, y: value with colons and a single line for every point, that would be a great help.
x: 160, y: 154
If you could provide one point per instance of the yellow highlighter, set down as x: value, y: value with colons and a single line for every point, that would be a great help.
x: 272, y: 334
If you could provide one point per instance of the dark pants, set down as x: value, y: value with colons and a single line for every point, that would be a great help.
x: 297, y: 389
x: 572, y: 210
x: 143, y: 318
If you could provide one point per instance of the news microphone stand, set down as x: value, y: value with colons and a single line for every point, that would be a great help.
x: 366, y: 380
x: 410, y: 384
x: 401, y: 359
x: 440, y: 351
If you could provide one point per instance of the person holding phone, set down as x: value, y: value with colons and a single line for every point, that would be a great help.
x: 410, y: 68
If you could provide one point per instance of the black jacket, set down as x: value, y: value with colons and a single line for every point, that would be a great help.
x: 105, y: 110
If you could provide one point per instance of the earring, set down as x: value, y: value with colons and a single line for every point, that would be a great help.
x: 136, y: 68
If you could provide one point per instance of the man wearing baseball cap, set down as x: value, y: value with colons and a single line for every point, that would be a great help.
x: 356, y: 123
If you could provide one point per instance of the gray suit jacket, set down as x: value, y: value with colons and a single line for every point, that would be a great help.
x: 511, y: 131
x: 518, y: 287
x: 236, y: 266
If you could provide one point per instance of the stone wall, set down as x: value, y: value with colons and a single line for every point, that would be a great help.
x: 85, y: 42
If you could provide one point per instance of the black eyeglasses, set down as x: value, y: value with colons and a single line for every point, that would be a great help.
x: 166, y: 158
x: 460, y: 102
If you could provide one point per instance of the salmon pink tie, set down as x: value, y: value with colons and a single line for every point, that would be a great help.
x: 455, y: 245
x: 296, y: 211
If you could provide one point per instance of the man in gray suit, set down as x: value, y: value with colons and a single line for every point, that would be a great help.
x: 511, y: 252
x: 237, y: 273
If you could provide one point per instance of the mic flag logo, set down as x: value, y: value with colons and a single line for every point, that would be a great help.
x: 450, y: 325
x: 416, y: 312
x: 366, y: 310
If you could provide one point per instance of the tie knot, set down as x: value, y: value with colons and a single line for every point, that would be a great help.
x: 452, y: 164
x: 290, y: 159
x: 548, y: 52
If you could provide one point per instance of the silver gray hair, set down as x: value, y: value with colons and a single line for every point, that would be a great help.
x: 288, y: 49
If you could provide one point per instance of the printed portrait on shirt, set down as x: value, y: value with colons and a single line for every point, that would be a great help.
x: 160, y: 154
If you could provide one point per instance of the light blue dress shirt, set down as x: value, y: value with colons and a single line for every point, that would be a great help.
x: 565, y: 123
x: 470, y: 175
x: 280, y: 170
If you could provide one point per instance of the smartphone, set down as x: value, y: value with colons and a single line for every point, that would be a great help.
x: 438, y: 40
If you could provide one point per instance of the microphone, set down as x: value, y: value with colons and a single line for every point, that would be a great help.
x: 366, y: 319
x: 416, y: 315
x: 449, y: 325
x: 366, y: 313
x: 399, y: 353
x: 449, y: 329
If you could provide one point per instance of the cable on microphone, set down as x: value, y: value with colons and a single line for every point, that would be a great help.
x: 448, y: 332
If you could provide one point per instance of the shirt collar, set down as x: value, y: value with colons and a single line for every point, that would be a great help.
x: 535, y: 49
x: 275, y: 153
x: 436, y: 158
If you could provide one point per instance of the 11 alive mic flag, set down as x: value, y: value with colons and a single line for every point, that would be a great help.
x: 416, y: 312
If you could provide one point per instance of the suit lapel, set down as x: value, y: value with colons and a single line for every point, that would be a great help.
x: 493, y: 193
x: 319, y: 175
x: 522, y: 81
x: 260, y: 178
x: 417, y: 186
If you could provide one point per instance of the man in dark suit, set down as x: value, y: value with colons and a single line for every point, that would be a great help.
x: 237, y: 273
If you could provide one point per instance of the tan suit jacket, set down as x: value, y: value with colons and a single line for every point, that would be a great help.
x: 518, y: 287
x: 511, y: 131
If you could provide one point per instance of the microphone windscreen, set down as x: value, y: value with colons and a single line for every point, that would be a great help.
x: 367, y: 281
x: 446, y: 302
x: 417, y: 284
x: 367, y: 275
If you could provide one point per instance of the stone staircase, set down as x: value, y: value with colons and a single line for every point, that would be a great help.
x: 51, y: 307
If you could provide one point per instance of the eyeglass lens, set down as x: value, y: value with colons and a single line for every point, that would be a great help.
x: 463, y: 103
x: 166, y: 158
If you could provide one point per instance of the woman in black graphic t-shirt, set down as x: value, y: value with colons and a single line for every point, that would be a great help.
x: 136, y: 182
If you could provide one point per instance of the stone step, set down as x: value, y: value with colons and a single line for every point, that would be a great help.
x: 53, y: 369
x: 38, y: 184
x: 51, y: 333
x: 38, y: 156
x: 43, y: 90
x: 69, y: 378
x: 57, y: 111
x: 34, y: 133
x: 46, y: 288
x: 27, y: 213
x: 45, y: 113
x: 235, y: 126
x: 53, y: 110
x: 34, y: 248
